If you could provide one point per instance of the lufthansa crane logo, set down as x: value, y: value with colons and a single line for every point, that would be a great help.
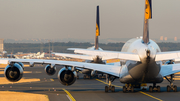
x: 97, y: 30
x: 147, y: 10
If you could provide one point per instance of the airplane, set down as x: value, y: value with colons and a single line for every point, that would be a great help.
x: 4, y: 54
x: 33, y: 55
x: 142, y: 63
x: 89, y: 58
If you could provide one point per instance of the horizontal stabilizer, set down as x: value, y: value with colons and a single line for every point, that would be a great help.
x: 171, y: 55
x: 79, y: 56
x: 86, y: 57
x: 109, y: 54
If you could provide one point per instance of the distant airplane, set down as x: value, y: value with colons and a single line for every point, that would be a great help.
x: 4, y: 54
x: 38, y: 55
x: 142, y: 63
x: 89, y: 58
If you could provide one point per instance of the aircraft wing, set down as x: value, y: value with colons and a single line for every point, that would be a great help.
x: 169, y: 69
x: 171, y: 55
x: 86, y: 57
x: 108, y: 54
x: 109, y: 69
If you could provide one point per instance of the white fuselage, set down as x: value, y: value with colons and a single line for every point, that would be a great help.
x: 147, y: 70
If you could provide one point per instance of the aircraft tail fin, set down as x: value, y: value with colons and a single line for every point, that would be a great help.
x: 148, y: 15
x: 97, y: 28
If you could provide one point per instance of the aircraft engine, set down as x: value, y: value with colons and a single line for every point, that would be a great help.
x: 169, y: 62
x: 50, y: 70
x: 66, y: 76
x: 98, y: 60
x: 21, y: 64
x: 13, y: 72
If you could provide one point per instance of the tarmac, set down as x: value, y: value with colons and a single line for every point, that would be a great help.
x: 81, y: 90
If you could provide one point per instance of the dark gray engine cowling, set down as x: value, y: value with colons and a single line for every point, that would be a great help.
x: 13, y: 72
x: 66, y: 76
x: 49, y: 70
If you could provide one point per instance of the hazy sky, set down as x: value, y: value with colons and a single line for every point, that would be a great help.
x: 23, y: 19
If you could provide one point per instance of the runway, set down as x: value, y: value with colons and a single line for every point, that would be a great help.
x: 81, y: 90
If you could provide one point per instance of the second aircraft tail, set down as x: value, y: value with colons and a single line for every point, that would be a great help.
x: 148, y: 15
x: 97, y: 29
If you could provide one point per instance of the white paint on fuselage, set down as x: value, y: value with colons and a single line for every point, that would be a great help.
x: 136, y: 45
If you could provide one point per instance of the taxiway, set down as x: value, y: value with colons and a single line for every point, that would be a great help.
x: 82, y: 89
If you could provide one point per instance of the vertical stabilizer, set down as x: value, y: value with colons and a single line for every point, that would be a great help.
x: 148, y: 15
x: 97, y: 29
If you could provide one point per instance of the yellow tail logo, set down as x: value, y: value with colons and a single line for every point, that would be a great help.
x: 97, y: 30
x: 148, y: 10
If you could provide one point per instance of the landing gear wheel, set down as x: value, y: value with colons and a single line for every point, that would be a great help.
x: 84, y: 77
x: 106, y: 89
x: 113, y: 89
x: 78, y: 77
x: 150, y: 88
x: 124, y: 89
x: 168, y: 88
x: 171, y: 86
x: 132, y: 89
x: 158, y: 88
x: 100, y: 77
x: 175, y: 88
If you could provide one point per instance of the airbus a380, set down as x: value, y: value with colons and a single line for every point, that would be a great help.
x: 91, y: 58
x: 143, y: 63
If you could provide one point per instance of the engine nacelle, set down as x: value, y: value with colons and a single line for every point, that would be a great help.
x: 21, y: 64
x: 169, y: 62
x: 66, y: 76
x: 50, y: 70
x: 13, y: 72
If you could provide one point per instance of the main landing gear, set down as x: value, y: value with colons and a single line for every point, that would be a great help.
x: 86, y: 76
x: 171, y: 86
x: 128, y: 87
x: 154, y: 88
x: 111, y: 88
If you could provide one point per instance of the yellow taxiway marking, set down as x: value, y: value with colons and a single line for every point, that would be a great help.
x: 151, y: 96
x: 107, y: 83
x: 177, y: 73
x: 176, y: 78
x: 140, y: 91
x: 71, y: 97
x: 52, y: 79
x: 27, y: 71
x: 23, y: 80
x: 2, y: 72
x: 19, y: 96
x: 4, y: 65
